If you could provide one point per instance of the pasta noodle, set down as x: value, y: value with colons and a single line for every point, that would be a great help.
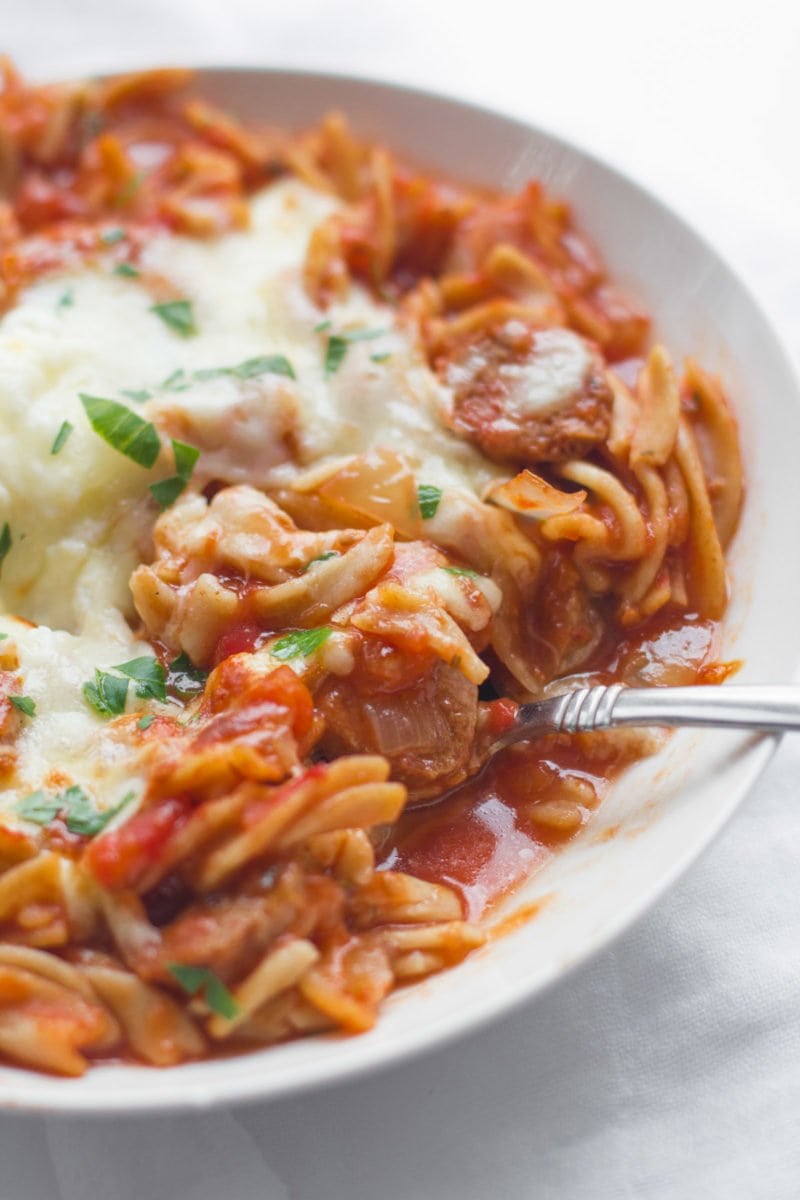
x: 417, y: 460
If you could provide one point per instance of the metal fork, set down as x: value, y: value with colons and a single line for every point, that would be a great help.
x: 770, y: 708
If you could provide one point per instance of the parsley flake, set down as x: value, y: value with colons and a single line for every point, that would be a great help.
x: 428, y: 497
x: 302, y: 641
x: 109, y: 237
x: 178, y: 315
x: 380, y: 358
x: 61, y: 437
x: 146, y: 721
x: 66, y: 299
x: 38, y: 808
x: 6, y: 541
x: 465, y: 571
x: 273, y: 364
x: 166, y: 492
x: 24, y: 704
x: 320, y: 558
x: 106, y: 694
x: 138, y: 395
x: 82, y: 816
x: 178, y: 381
x: 195, y: 980
x: 334, y: 354
x: 323, y: 327
x: 126, y: 270
x: 123, y: 429
x: 148, y: 675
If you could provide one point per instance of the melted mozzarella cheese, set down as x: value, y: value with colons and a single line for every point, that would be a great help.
x: 66, y: 742
x: 80, y: 520
x: 551, y: 376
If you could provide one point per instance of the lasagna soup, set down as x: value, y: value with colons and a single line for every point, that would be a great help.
x: 312, y: 468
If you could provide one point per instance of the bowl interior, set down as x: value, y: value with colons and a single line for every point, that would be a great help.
x: 663, y: 812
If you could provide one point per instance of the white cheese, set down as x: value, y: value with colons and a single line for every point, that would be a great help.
x: 66, y: 735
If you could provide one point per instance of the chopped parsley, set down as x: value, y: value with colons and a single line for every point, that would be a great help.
x: 166, y: 491
x: 148, y: 675
x: 302, y: 641
x: 66, y: 299
x: 61, y: 437
x: 126, y: 270
x: 3, y: 637
x: 320, y: 558
x: 428, y: 497
x: 146, y: 721
x: 138, y: 395
x: 109, y: 237
x: 24, y: 704
x: 323, y: 327
x: 334, y: 353
x: 123, y: 429
x: 38, y: 808
x: 338, y: 343
x: 465, y: 571
x: 178, y: 315
x: 81, y: 816
x: 184, y: 677
x: 6, y: 541
x: 380, y: 358
x: 178, y: 381
x: 195, y: 980
x: 107, y: 694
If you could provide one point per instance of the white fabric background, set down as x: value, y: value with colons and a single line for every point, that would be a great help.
x: 668, y: 1068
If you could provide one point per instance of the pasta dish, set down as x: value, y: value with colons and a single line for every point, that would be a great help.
x: 313, y: 467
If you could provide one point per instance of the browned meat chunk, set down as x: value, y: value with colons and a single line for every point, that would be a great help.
x: 426, y: 730
x: 529, y: 395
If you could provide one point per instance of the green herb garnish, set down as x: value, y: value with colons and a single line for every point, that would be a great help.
x: 126, y: 270
x: 61, y: 437
x: 66, y: 299
x: 178, y: 381
x: 24, y: 704
x: 273, y: 364
x: 81, y: 815
x: 302, y: 641
x: 202, y: 979
x: 148, y: 675
x: 38, y: 808
x: 465, y: 571
x: 106, y: 694
x: 320, y: 558
x: 6, y: 541
x: 380, y: 358
x: 166, y: 492
x: 323, y: 327
x: 146, y: 721
x: 123, y: 429
x: 334, y: 354
x: 428, y: 497
x: 178, y: 315
x: 109, y: 237
x: 138, y: 395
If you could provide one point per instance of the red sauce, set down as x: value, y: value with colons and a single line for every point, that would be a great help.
x: 484, y: 838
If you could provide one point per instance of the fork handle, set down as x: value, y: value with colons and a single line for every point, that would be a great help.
x: 772, y: 708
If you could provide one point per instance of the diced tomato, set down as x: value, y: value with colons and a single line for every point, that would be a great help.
x: 118, y: 859
x: 238, y: 640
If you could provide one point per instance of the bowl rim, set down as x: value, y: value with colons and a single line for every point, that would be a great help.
x: 171, y: 1090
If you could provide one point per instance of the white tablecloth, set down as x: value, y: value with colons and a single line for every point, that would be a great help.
x: 668, y: 1068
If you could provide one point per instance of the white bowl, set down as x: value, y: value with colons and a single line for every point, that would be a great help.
x: 666, y: 810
